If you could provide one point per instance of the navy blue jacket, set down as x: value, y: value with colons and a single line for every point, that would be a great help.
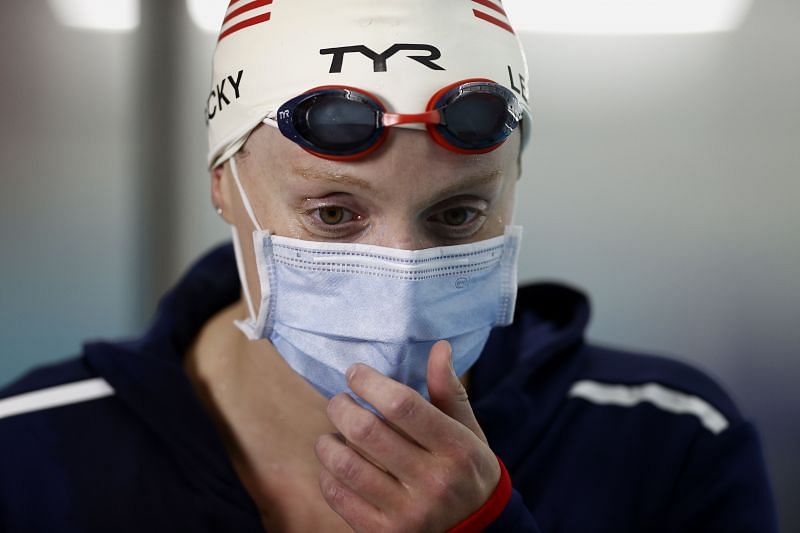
x: 596, y: 440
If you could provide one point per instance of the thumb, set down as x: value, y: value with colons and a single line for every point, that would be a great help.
x: 446, y: 390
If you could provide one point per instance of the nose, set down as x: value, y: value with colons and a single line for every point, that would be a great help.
x: 402, y: 235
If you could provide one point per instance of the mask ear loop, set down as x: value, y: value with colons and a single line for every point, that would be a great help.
x: 237, y: 247
x: 243, y: 195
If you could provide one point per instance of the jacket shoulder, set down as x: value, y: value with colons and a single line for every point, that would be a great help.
x: 36, y: 397
x: 615, y: 377
x: 61, y: 372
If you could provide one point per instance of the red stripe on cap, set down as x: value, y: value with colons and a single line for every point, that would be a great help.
x: 245, y: 8
x: 496, y: 22
x: 490, y: 5
x: 244, y: 24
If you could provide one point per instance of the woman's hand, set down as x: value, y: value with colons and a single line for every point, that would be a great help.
x: 426, y: 467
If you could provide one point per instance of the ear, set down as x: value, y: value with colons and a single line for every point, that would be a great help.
x: 220, y: 197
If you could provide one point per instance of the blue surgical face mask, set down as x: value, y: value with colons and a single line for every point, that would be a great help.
x: 326, y: 306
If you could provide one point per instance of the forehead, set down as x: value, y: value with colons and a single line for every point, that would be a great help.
x: 408, y: 158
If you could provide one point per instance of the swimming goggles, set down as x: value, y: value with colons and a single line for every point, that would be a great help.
x: 337, y: 122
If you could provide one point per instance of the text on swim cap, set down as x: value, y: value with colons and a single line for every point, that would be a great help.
x: 379, y: 60
x: 217, y: 100
x: 522, y: 90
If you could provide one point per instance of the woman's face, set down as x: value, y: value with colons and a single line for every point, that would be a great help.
x: 410, y: 193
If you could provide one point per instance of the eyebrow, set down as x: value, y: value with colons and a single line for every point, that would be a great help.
x: 470, y: 182
x: 321, y: 176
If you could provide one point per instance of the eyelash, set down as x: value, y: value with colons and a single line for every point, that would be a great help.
x: 318, y: 215
x: 472, y: 213
x: 475, y: 219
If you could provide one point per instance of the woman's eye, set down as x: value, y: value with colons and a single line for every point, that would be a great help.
x: 458, y: 216
x: 334, y: 214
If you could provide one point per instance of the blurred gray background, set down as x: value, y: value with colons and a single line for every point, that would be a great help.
x: 663, y: 178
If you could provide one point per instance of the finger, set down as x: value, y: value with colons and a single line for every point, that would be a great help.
x: 375, y: 439
x: 357, y: 512
x: 446, y: 390
x: 362, y: 477
x: 405, y: 408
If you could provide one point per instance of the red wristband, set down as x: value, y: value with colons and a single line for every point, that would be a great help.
x: 491, y: 509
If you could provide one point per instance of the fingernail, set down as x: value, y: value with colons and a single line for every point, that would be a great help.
x: 351, y: 372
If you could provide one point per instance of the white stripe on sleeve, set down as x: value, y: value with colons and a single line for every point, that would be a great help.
x: 658, y: 395
x: 79, y: 391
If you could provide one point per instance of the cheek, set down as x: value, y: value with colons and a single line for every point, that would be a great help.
x: 502, y: 214
x: 265, y: 198
x: 292, y: 227
x: 280, y: 218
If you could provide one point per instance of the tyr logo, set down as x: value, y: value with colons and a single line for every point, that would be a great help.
x: 379, y: 60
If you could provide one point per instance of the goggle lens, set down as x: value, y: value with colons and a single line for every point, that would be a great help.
x: 335, y: 123
x: 346, y: 123
x: 476, y: 120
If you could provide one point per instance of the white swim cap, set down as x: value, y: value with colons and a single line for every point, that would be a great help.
x: 402, y: 51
